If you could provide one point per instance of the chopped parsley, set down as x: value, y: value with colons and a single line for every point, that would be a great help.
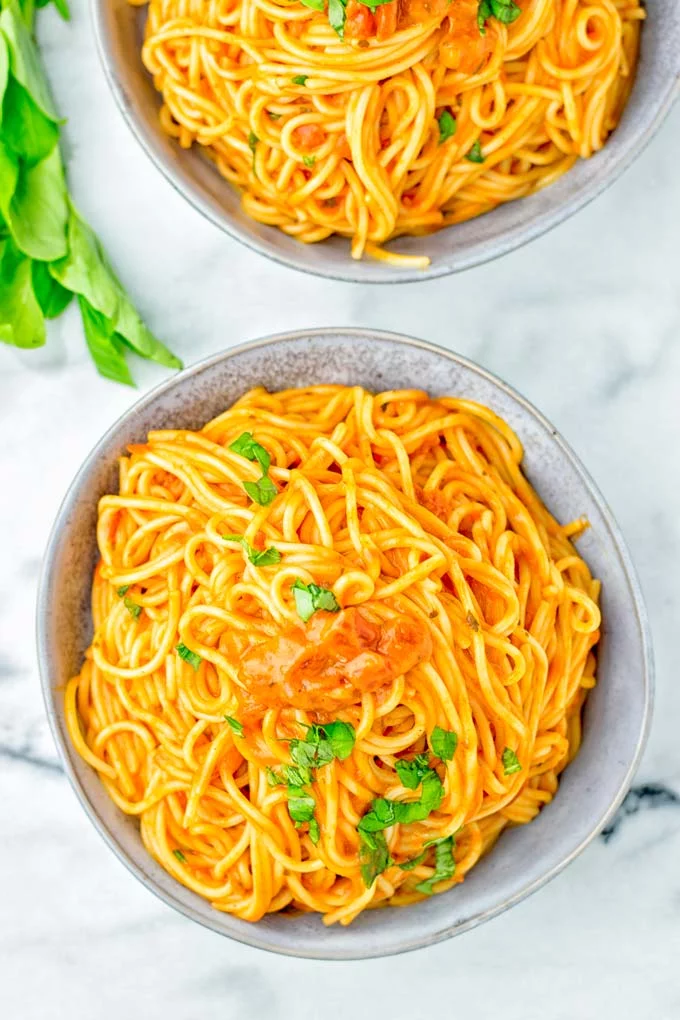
x: 193, y: 658
x: 443, y: 743
x: 236, y: 726
x: 133, y: 609
x: 447, y: 126
x: 258, y: 557
x: 510, y: 762
x: 310, y: 598
x: 475, y: 155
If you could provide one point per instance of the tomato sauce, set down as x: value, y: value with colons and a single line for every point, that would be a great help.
x: 330, y: 662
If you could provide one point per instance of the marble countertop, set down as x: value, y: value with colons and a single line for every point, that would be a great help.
x: 586, y: 323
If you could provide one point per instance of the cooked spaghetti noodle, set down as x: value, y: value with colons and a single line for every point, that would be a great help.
x: 424, y: 113
x: 340, y: 645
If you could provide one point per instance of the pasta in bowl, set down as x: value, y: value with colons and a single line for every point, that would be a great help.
x: 339, y: 647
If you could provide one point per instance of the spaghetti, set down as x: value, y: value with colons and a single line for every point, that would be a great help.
x: 340, y: 645
x: 377, y: 119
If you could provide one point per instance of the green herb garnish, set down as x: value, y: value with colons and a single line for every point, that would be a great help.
x: 510, y: 762
x: 314, y: 831
x: 180, y: 856
x: 236, y: 726
x: 123, y: 590
x: 309, y: 161
x: 47, y: 253
x: 246, y: 446
x: 447, y: 126
x: 412, y: 772
x: 443, y: 743
x: 133, y: 609
x: 316, y: 5
x: 374, y: 857
x: 193, y: 658
x: 384, y: 813
x: 444, y: 865
x: 263, y: 492
x: 505, y: 11
x: 299, y: 79
x: 475, y: 154
x: 414, y: 862
x: 310, y: 598
x: 258, y: 557
x: 300, y: 805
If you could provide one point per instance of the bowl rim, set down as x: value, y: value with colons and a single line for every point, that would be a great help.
x: 477, y: 254
x: 67, y: 754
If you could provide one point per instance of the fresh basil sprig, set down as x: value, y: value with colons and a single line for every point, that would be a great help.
x: 47, y: 253
x: 505, y: 11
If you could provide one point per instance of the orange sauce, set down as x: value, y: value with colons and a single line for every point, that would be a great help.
x: 331, y: 661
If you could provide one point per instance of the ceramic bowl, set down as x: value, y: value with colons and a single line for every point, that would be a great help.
x: 617, y: 711
x: 119, y: 32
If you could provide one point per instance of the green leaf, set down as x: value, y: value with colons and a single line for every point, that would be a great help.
x: 443, y: 743
x: 61, y: 6
x: 236, y: 726
x: 52, y: 297
x: 258, y: 557
x: 38, y: 212
x: 315, y: 5
x: 301, y: 805
x: 384, y: 813
x: 193, y: 658
x: 180, y: 856
x: 341, y: 737
x: 506, y: 11
x: 132, y: 330
x: 374, y: 857
x: 311, y: 752
x: 297, y: 775
x: 83, y: 269
x: 374, y: 4
x: 300, y: 79
x: 9, y: 175
x: 25, y: 128
x: 412, y: 772
x: 262, y: 492
x: 447, y: 126
x: 123, y: 590
x: 309, y: 161
x: 414, y: 862
x: 273, y: 778
x: 4, y: 67
x: 475, y: 154
x: 309, y: 598
x: 510, y: 762
x: 245, y: 446
x: 108, y: 353
x: 336, y: 16
x: 21, y: 320
x: 133, y: 609
x: 444, y: 866
x: 24, y: 60
x: 314, y: 831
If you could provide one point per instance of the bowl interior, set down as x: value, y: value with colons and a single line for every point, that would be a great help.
x: 119, y: 30
x: 616, y: 712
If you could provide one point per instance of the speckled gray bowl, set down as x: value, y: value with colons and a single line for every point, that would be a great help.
x: 119, y: 31
x: 617, y: 712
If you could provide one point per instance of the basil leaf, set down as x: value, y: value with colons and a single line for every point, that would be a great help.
x: 273, y: 778
x: 24, y: 61
x: 313, y: 751
x: 9, y: 175
x: 135, y: 334
x: 314, y: 831
x: 61, y: 6
x: 412, y: 772
x: 475, y: 154
x: 258, y: 557
x: 443, y: 743
x: 374, y: 4
x: 384, y: 813
x: 309, y: 161
x: 193, y: 658
x: 483, y: 15
x: 25, y: 128
x: 4, y: 68
x: 246, y: 447
x: 336, y: 16
x: 300, y: 79
x: 236, y: 725
x: 374, y: 857
x: 133, y: 609
x: 52, y: 297
x: 510, y: 761
x: 447, y: 126
x: 297, y: 775
x: 83, y: 270
x: 123, y: 590
x: 301, y: 805
x: 414, y: 862
x: 341, y: 737
x: 38, y: 211
x: 262, y: 492
x: 21, y: 320
x: 315, y: 5
x: 309, y: 598
x: 444, y: 866
x: 106, y: 349
x: 505, y: 11
x: 180, y: 856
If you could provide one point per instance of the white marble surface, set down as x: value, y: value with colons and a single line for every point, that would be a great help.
x: 586, y: 322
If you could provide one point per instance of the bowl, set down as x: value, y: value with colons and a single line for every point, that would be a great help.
x: 119, y: 29
x: 617, y: 711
